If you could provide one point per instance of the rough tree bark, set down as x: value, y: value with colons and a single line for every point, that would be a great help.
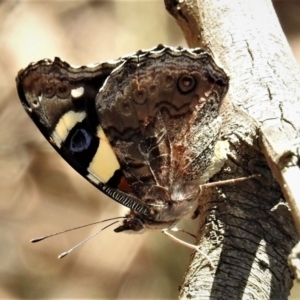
x: 247, y: 228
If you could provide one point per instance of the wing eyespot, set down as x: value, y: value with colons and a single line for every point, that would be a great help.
x: 168, y: 80
x: 140, y: 95
x: 35, y: 103
x: 63, y: 90
x: 49, y: 90
x: 186, y: 83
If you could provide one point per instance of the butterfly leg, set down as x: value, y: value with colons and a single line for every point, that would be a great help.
x: 191, y: 246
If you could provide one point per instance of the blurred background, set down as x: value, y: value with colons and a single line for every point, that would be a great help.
x: 40, y: 194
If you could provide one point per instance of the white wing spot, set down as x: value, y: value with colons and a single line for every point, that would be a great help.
x: 76, y: 93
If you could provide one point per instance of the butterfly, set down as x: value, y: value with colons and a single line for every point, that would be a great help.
x: 142, y: 129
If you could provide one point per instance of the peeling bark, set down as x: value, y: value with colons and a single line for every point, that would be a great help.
x: 247, y: 228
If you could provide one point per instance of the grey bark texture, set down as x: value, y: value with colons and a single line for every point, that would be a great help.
x: 249, y: 228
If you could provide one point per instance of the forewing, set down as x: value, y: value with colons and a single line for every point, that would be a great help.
x: 60, y: 99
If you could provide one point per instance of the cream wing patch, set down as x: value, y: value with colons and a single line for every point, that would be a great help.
x: 65, y: 124
x: 104, y: 163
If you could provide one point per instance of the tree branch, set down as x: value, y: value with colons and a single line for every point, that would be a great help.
x: 247, y: 228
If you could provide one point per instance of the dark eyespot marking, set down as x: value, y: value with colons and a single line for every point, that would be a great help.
x: 49, y: 89
x: 35, y: 103
x: 63, y: 89
x: 186, y: 84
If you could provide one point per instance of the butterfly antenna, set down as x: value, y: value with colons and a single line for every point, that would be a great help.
x: 63, y: 254
x: 71, y: 229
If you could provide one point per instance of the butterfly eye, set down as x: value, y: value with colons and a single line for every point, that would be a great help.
x: 63, y: 89
x: 186, y: 84
x: 49, y: 90
x: 137, y: 225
